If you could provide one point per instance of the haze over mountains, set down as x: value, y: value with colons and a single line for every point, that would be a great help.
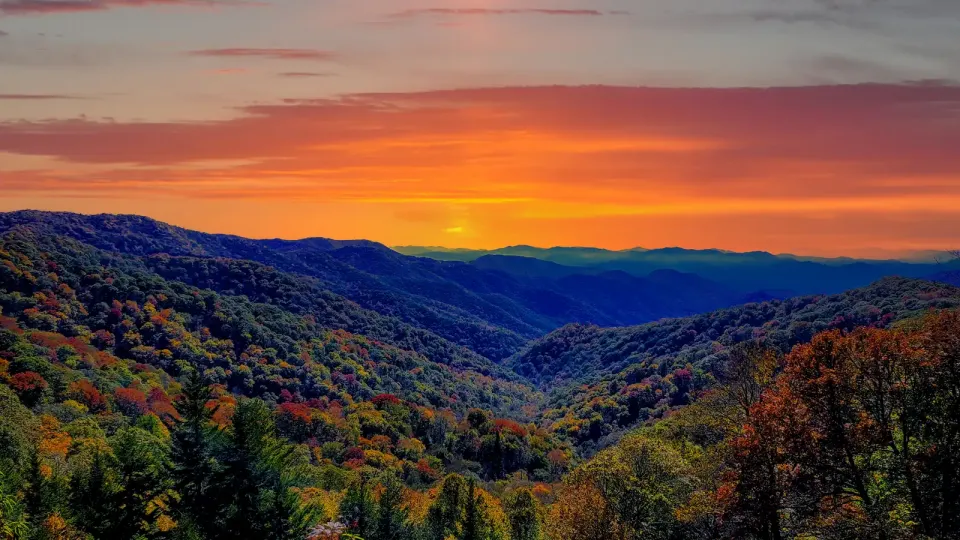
x: 777, y: 275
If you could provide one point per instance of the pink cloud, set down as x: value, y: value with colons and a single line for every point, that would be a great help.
x: 613, y: 146
x: 493, y: 11
x: 304, y: 74
x: 36, y: 97
x: 40, y: 7
x: 275, y: 54
x: 228, y: 71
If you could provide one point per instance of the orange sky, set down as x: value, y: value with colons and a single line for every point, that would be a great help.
x: 781, y: 125
x: 821, y: 170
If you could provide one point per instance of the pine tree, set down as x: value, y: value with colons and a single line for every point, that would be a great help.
x: 476, y: 521
x: 92, y: 497
x: 244, y: 464
x: 446, y: 514
x: 523, y: 515
x: 358, y: 510
x: 391, y: 516
x: 43, y: 495
x: 142, y: 477
x: 195, y: 471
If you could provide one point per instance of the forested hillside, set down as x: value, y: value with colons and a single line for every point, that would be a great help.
x: 488, y: 310
x: 852, y: 436
x: 177, y: 395
x: 603, y: 381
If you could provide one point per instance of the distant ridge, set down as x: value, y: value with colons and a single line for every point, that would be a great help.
x: 745, y: 272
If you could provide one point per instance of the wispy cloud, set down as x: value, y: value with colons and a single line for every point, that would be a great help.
x: 409, y: 13
x: 271, y: 53
x: 37, y: 97
x: 40, y: 7
x: 691, y: 165
x: 305, y: 74
x: 599, y: 143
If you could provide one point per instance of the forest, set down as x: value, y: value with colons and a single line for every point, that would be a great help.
x: 187, y: 395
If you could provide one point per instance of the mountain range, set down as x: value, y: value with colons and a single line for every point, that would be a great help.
x: 779, y: 275
x: 491, y: 306
x: 213, y: 379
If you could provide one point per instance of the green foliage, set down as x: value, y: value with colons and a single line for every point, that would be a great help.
x: 523, y: 512
x: 136, y: 404
x: 606, y: 381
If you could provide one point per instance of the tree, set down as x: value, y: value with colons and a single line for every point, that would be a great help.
x: 358, y: 509
x: 523, y: 513
x: 13, y: 518
x: 243, y: 460
x: 583, y: 513
x: 195, y: 471
x: 46, y: 491
x: 256, y: 473
x: 92, y: 491
x: 142, y: 476
x: 446, y: 515
x: 476, y: 526
x: 391, y: 516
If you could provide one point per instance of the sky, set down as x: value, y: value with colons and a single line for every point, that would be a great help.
x: 822, y: 127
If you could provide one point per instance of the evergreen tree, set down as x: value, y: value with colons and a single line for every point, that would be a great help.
x: 195, y: 471
x: 92, y: 496
x: 142, y: 477
x: 358, y: 509
x: 446, y: 515
x: 391, y: 516
x: 476, y: 522
x: 43, y: 495
x: 523, y: 515
x: 286, y: 517
x: 244, y: 468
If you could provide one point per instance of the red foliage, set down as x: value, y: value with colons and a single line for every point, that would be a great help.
x: 503, y: 425
x: 8, y: 323
x: 428, y: 472
x: 295, y: 411
x: 103, y: 339
x: 85, y: 392
x: 130, y: 401
x: 384, y: 399
x: 29, y: 386
x: 295, y: 421
x: 161, y: 405
x: 354, y: 453
x: 28, y: 381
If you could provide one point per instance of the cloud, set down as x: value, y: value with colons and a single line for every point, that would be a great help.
x: 410, y: 13
x: 548, y: 152
x: 4, y: 34
x: 228, y: 71
x: 274, y: 54
x: 37, y: 97
x: 41, y: 7
x: 304, y: 74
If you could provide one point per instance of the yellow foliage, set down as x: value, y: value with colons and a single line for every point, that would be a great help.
x: 165, y: 523
x: 328, y: 502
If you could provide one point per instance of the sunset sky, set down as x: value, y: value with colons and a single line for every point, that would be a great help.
x: 808, y: 126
